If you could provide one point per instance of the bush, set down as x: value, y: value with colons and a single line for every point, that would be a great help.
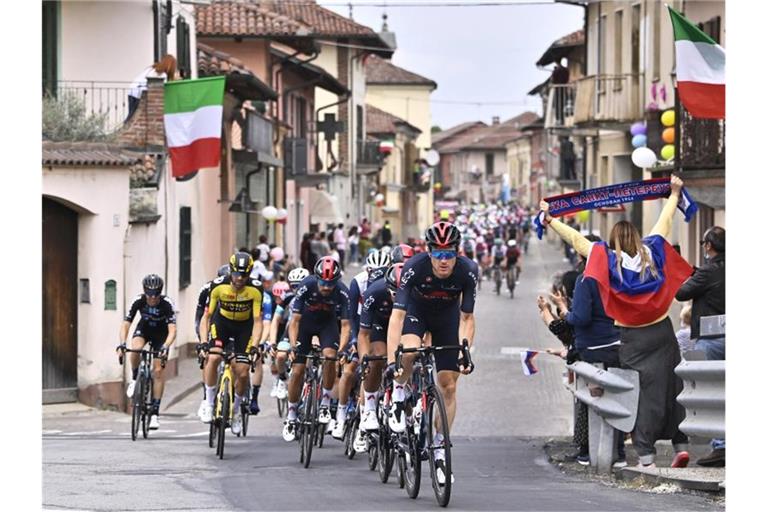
x: 65, y: 119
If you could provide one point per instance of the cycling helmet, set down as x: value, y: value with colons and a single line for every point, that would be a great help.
x: 153, y: 284
x: 498, y: 241
x: 401, y: 253
x: 223, y: 271
x: 280, y: 288
x: 442, y: 235
x: 297, y: 275
x: 512, y: 243
x: 377, y: 259
x: 327, y: 269
x: 241, y: 262
x: 393, y: 276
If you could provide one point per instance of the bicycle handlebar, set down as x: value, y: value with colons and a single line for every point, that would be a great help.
x: 156, y: 353
x: 466, y: 359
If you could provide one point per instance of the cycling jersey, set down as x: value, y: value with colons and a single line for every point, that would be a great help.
x: 240, y: 306
x: 498, y: 253
x: 267, y: 306
x: 420, y: 285
x: 513, y: 253
x: 154, y: 320
x: 377, y: 308
x: 356, y: 289
x: 319, y: 314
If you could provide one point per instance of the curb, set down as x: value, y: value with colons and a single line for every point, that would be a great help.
x: 698, y: 479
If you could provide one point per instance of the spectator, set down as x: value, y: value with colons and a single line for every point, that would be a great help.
x: 596, y: 339
x: 623, y: 270
x: 259, y: 269
x: 354, y: 242
x: 386, y: 234
x: 325, y: 243
x: 165, y: 68
x: 340, y: 243
x: 706, y: 288
x: 683, y: 335
x: 263, y: 248
x: 305, y: 252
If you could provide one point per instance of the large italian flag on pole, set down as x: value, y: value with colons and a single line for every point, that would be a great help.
x: 700, y: 65
x: 193, y: 113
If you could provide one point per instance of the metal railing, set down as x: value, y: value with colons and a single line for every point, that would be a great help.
x: 107, y: 99
x: 612, y: 396
x: 258, y: 133
x: 560, y: 106
x: 608, y: 99
x: 368, y: 153
x: 701, y: 142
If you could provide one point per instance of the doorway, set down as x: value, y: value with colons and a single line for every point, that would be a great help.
x: 59, y: 302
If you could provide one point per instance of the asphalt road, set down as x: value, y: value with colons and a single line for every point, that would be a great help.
x: 504, y: 418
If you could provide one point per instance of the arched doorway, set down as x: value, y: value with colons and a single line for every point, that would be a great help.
x: 59, y: 302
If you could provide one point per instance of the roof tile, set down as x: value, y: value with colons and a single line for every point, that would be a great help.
x: 379, y: 121
x: 87, y: 154
x: 382, y: 71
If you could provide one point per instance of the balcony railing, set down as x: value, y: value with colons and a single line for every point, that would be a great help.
x: 560, y: 106
x: 296, y: 156
x: 106, y: 99
x: 604, y: 100
x: 368, y: 153
x: 701, y: 142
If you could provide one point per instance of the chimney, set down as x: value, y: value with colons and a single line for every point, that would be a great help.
x: 145, y: 127
x: 496, y: 120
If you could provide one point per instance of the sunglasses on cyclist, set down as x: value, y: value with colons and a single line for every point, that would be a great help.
x: 152, y: 293
x: 327, y: 284
x: 238, y: 274
x: 442, y: 254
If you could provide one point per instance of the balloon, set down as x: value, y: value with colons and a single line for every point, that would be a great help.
x: 282, y: 214
x: 638, y: 129
x: 639, y: 141
x: 668, y: 118
x: 668, y: 135
x: 668, y: 152
x: 583, y: 216
x: 277, y: 253
x: 269, y: 212
x: 643, y: 157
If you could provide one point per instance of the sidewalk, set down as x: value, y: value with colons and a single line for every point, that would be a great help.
x: 184, y: 384
x: 692, y: 478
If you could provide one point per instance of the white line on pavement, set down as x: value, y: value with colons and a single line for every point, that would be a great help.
x: 196, y: 434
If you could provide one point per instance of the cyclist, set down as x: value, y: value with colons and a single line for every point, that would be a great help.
x: 468, y: 246
x: 202, y: 304
x: 235, y: 312
x: 281, y: 291
x: 314, y: 313
x: 498, y: 254
x: 437, y: 294
x: 513, y: 259
x: 280, y: 341
x: 157, y: 325
x: 374, y: 322
x: 257, y: 349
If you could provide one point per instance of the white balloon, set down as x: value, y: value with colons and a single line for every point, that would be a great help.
x: 269, y: 212
x: 643, y: 157
x: 282, y: 214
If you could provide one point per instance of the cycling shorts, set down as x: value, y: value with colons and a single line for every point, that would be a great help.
x: 443, y: 323
x: 156, y: 336
x: 379, y: 332
x: 327, y: 332
x: 232, y: 336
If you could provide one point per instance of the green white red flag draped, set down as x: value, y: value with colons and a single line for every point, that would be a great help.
x: 193, y: 114
x: 700, y: 68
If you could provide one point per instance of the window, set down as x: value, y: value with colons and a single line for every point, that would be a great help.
x: 50, y: 46
x: 489, y: 164
x: 185, y: 246
x: 183, y: 48
x: 162, y: 19
x: 656, y: 40
x: 712, y: 28
x: 618, y: 42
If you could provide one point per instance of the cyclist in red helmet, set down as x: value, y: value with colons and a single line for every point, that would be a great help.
x: 436, y: 294
x: 314, y: 310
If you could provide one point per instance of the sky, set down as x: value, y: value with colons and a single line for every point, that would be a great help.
x: 474, y: 53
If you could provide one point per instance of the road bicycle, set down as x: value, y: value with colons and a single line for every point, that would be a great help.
x: 224, y: 402
x: 496, y: 273
x: 427, y: 413
x: 142, y: 391
x: 307, y: 424
x: 511, y: 279
x: 352, y: 426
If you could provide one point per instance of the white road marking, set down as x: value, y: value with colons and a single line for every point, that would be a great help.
x: 49, y: 432
x: 512, y: 351
x: 196, y: 434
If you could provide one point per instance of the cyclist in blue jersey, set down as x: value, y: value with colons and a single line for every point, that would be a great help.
x: 436, y: 294
x: 257, y: 350
x: 314, y: 313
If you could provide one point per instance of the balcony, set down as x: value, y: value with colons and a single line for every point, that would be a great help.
x: 701, y: 143
x: 257, y: 139
x: 560, y: 107
x: 607, y: 101
x: 102, y: 104
x: 369, y: 156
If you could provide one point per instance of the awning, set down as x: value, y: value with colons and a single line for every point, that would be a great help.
x: 323, y: 208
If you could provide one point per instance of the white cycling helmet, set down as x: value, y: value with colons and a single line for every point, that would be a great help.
x: 297, y: 275
x: 512, y: 243
x: 377, y: 259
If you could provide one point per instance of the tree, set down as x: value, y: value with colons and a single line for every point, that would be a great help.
x: 436, y: 129
x: 65, y: 119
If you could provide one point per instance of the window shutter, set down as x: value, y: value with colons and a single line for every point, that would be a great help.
x: 185, y: 246
x: 183, y: 57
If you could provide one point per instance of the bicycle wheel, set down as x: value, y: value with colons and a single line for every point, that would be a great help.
x: 350, y: 432
x: 225, y: 412
x: 436, y: 411
x: 373, y: 453
x: 136, y: 408
x: 146, y: 406
x: 400, y: 470
x: 310, y: 423
x: 386, y: 455
x: 413, y: 463
x: 244, y: 410
x: 282, y: 405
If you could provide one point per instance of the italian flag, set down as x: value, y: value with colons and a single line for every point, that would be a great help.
x: 193, y: 114
x: 700, y: 69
